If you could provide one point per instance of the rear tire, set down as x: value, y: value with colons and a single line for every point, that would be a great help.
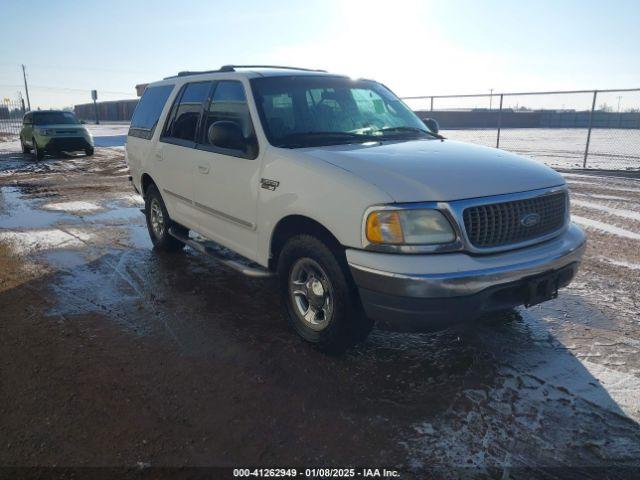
x: 158, y: 223
x: 88, y: 151
x: 37, y: 151
x: 320, y: 299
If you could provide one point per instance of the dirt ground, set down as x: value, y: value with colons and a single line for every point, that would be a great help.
x: 114, y: 355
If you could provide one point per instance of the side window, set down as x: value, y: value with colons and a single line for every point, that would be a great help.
x: 27, y: 119
x: 147, y: 112
x: 182, y: 123
x: 229, y: 103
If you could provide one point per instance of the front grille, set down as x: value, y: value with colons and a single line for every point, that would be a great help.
x: 505, y: 223
x: 67, y: 144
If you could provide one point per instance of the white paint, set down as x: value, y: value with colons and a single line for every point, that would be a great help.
x: 37, y: 240
x: 73, y: 206
x: 618, y: 212
x: 605, y: 227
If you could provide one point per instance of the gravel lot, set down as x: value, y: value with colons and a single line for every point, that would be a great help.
x: 115, y: 355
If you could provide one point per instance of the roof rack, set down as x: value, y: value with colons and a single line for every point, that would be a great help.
x: 232, y: 68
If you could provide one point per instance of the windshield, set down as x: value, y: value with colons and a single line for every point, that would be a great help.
x: 321, y: 110
x: 54, y: 118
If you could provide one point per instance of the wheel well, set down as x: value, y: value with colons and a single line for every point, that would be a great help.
x: 145, y: 182
x: 296, y: 225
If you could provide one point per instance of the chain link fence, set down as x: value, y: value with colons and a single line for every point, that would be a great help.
x: 11, y: 113
x: 597, y: 129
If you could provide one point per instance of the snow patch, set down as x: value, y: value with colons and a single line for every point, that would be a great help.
x: 37, y: 240
x: 620, y: 263
x: 605, y: 227
x: 622, y: 387
x: 603, y: 186
x: 73, y: 206
x: 603, y: 208
x: 133, y: 199
x: 600, y: 197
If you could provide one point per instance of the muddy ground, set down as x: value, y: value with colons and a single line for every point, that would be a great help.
x: 112, y: 354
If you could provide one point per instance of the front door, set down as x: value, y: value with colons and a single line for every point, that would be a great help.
x: 226, y: 181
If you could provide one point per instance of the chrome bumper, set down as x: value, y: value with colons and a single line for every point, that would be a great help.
x: 460, y: 274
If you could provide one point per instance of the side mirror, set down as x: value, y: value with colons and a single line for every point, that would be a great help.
x: 227, y: 134
x: 431, y: 124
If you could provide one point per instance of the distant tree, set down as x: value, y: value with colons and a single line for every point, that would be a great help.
x: 605, y: 108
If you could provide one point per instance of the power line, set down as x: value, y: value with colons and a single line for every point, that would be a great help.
x: 48, y: 87
x: 72, y: 68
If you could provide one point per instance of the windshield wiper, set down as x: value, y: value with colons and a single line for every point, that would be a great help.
x: 328, y: 134
x: 410, y: 129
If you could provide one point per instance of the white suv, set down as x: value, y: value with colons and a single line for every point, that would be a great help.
x: 334, y: 185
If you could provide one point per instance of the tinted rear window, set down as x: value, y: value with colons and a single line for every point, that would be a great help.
x: 54, y: 118
x: 150, y: 107
x: 185, y: 113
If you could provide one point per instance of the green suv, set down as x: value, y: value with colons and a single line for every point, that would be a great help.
x: 51, y: 131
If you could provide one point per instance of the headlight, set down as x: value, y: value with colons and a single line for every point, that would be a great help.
x: 408, y: 227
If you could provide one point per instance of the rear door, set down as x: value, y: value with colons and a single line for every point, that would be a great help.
x: 142, y: 132
x: 226, y: 181
x: 175, y: 152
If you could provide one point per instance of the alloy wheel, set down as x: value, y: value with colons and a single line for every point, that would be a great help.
x: 157, y: 218
x: 311, y: 293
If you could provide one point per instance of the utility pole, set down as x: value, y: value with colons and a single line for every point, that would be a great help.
x: 490, y: 98
x: 26, y: 88
x: 619, y: 98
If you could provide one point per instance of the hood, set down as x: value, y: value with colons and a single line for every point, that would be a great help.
x: 434, y: 170
x: 61, y: 127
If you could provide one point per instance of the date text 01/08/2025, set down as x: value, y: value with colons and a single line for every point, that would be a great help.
x: 316, y: 473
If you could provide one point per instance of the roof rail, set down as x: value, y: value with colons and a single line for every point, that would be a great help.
x: 232, y: 68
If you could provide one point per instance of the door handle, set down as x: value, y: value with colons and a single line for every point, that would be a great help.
x: 204, y: 169
x: 159, y: 155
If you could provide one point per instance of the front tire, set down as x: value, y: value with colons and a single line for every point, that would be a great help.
x: 158, y: 222
x: 88, y: 151
x: 37, y: 151
x: 318, y: 294
x: 25, y: 149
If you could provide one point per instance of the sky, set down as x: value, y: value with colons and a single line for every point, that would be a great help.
x: 414, y: 47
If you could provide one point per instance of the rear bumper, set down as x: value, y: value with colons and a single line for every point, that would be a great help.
x: 436, y: 290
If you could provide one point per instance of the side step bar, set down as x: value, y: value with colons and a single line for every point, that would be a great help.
x: 206, y: 248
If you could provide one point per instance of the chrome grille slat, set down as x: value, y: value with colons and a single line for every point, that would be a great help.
x: 499, y: 224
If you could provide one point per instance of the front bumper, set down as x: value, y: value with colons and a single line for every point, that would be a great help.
x: 66, y: 144
x: 435, y: 290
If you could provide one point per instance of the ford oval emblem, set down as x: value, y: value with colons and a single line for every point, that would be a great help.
x: 529, y: 219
